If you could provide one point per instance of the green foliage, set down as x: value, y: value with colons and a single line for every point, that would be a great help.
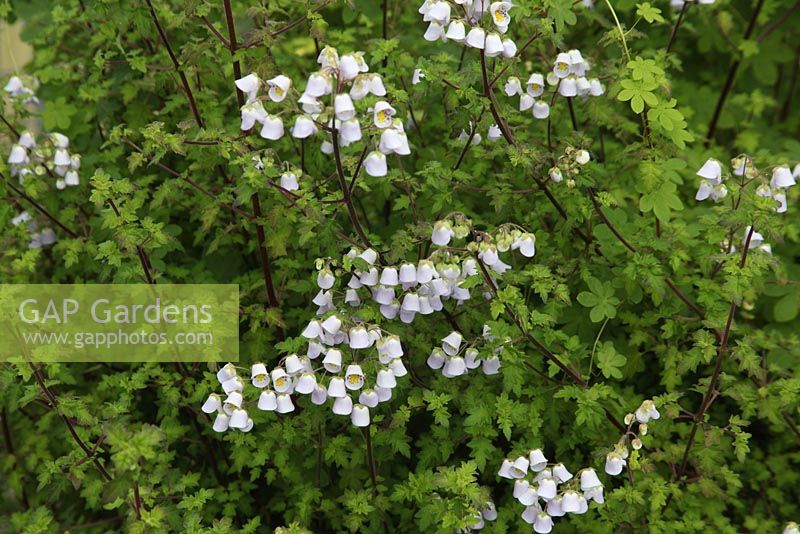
x: 637, y: 290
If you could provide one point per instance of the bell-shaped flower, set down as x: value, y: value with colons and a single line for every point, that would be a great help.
x: 383, y: 114
x: 791, y: 528
x: 500, y: 16
x: 471, y: 358
x: 278, y: 88
x: 513, y: 86
x: 526, y: 102
x: 535, y: 85
x: 584, y: 87
x: 614, y: 463
x: 577, y: 65
x: 439, y: 11
x: 212, y: 403
x: 221, y: 423
x: 509, y: 48
x: 319, y: 395
x: 543, y: 523
x: 343, y: 405
x: 408, y: 273
x: 571, y: 502
x: 505, y: 469
x: 546, y: 489
x: 530, y: 512
x: 18, y: 156
x: 328, y: 58
x: 238, y: 419
x: 384, y: 394
x: 386, y: 379
x: 259, y: 376
x: 394, y: 141
x: 537, y: 459
x: 227, y: 372
x: 491, y: 365
x: 520, y: 487
x: 319, y: 84
x: 234, y: 384
x: 647, y: 410
x: 780, y: 198
x: 360, y: 415
x: 332, y: 361
x: 454, y: 367
x: 331, y: 325
x: 493, y: 45
x: 452, y: 343
x: 349, y: 132
x: 582, y: 157
x: 289, y: 181
x: 589, y: 479
x: 519, y: 467
x: 456, y: 31
x: 436, y: 358
x: 267, y: 401
x: 528, y: 497
x: 494, y: 133
x: 306, y: 383
x: 398, y: 368
x: 337, y: 388
x: 782, y: 177
x: 376, y: 85
x: 272, y: 128
x: 304, y: 127
x: 281, y: 381
x: 293, y: 364
x: 476, y: 38
x: 711, y: 171
x: 284, y: 404
x: 325, y: 279
x: 595, y: 87
x: 249, y: 85
x: 561, y: 67
x: 348, y: 67
x: 359, y: 338
x: 568, y: 87
x: 27, y: 140
x: 417, y: 76
x: 554, y: 507
x: 343, y: 107
x: 442, y: 233
x: 354, y: 377
x: 368, y: 398
x: 434, y: 32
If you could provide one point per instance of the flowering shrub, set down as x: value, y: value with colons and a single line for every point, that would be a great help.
x: 552, y: 242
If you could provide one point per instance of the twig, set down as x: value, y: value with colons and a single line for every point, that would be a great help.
x: 677, y: 25
x: 189, y: 95
x: 348, y: 200
x: 39, y: 208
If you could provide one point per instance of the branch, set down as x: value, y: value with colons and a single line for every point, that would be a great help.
x: 189, y: 95
x: 348, y: 200
x: 39, y: 208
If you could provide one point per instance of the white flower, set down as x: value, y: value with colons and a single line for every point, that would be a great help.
x: 541, y: 110
x: 306, y: 384
x: 519, y: 467
x: 238, y: 419
x: 375, y: 164
x: 249, y: 85
x: 476, y: 38
x: 488, y: 254
x: 780, y: 198
x: 349, y: 132
x: 526, y: 102
x: 234, y: 384
x: 568, y: 87
x: 303, y: 127
x: 319, y: 84
x: 212, y: 403
x: 647, y: 410
x: 493, y: 46
x: 284, y: 404
x: 526, y: 244
x: 711, y: 171
x: 582, y: 157
x: 325, y: 279
x: 289, y: 181
x: 614, y: 463
x: 562, y: 64
x: 456, y: 31
x: 383, y: 114
x: 343, y: 107
x: 595, y: 87
x: 359, y: 338
x: 491, y: 365
x: 221, y: 423
x: 535, y: 85
x: 577, y: 65
x: 543, y: 523
x: 500, y: 16
x: 28, y: 141
x: 328, y: 58
x: 310, y: 104
x: 494, y: 133
x: 589, y: 479
x: 18, y: 156
x: 223, y: 375
x: 278, y: 88
x: 570, y: 502
x: 561, y: 473
x: 452, y: 343
x: 259, y: 376
x: 268, y: 401
x: 584, y: 87
x: 537, y: 460
x: 386, y: 379
x: 513, y: 86
x: 417, y: 76
x: 394, y: 141
x: 434, y: 32
x: 398, y: 368
x: 360, y: 415
x: 354, y: 377
x: 436, y: 359
x: 272, y: 128
x: 791, y: 528
x: 442, y: 233
x: 438, y: 11
x: 509, y: 48
x: 349, y: 67
x: 528, y: 497
x: 782, y: 177
x: 343, y: 406
x: 505, y: 469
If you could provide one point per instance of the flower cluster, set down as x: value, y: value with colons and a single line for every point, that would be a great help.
x: 569, y: 164
x: 713, y: 177
x: 568, y: 77
x: 38, y: 238
x: 617, y: 458
x: 468, y: 29
x: 489, y: 513
x: 550, y: 490
x: 327, y: 104
x: 23, y: 88
x: 455, y: 358
x: 27, y: 157
x: 369, y: 348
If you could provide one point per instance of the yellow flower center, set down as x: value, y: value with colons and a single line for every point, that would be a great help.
x: 278, y: 90
x: 354, y: 379
x: 535, y: 87
x: 280, y: 382
x: 260, y: 378
x: 500, y: 15
x: 383, y: 116
x: 562, y: 66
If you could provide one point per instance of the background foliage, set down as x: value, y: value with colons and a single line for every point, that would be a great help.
x: 144, y: 458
